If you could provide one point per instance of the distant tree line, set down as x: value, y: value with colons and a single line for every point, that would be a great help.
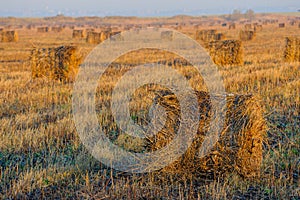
x: 237, y: 15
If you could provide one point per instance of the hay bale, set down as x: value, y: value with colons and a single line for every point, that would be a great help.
x: 292, y: 49
x: 220, y: 36
x: 78, y: 34
x: 232, y: 26
x: 93, y: 38
x: 246, y: 35
x: 227, y: 52
x: 167, y: 35
x: 117, y: 36
x: 105, y: 35
x: 258, y: 27
x: 43, y: 29
x: 1, y: 30
x: 206, y: 35
x: 281, y: 25
x: 89, y: 30
x: 239, y: 147
x: 248, y: 26
x: 60, y: 63
x: 9, y: 36
x: 57, y: 29
x: 30, y: 26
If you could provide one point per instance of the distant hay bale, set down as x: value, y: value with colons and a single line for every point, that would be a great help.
x: 232, y: 26
x: 292, y: 49
x: 1, y: 30
x: 224, y: 25
x: 248, y: 26
x: 93, y: 38
x: 206, y: 35
x: 281, y: 25
x: 9, y: 36
x: 30, y: 26
x: 220, y: 36
x: 97, y: 38
x: 78, y: 34
x: 57, y: 29
x: 239, y: 147
x: 167, y: 35
x: 43, y: 29
x: 59, y: 63
x: 105, y: 35
x: 117, y: 36
x: 227, y: 52
x: 246, y: 35
x: 89, y: 30
x: 258, y: 27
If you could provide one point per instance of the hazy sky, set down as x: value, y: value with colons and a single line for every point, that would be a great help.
x: 33, y: 7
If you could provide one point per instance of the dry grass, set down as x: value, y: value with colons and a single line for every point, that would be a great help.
x: 41, y: 155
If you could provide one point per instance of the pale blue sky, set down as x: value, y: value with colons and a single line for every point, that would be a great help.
x: 141, y: 7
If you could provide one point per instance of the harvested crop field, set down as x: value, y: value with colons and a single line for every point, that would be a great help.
x: 256, y: 156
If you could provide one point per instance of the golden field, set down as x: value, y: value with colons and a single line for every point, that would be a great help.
x: 41, y: 155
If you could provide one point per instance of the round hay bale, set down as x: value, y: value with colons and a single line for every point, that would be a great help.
x: 78, y: 34
x: 9, y: 36
x: 227, y: 52
x: 246, y: 35
x: 60, y: 63
x: 239, y: 147
x: 292, y: 49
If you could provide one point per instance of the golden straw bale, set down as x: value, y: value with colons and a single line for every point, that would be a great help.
x: 59, y: 63
x: 248, y: 26
x: 258, y: 27
x: 105, y: 35
x: 78, y: 34
x: 246, y: 35
x: 93, y: 38
x: 57, y: 29
x: 227, y: 52
x: 220, y: 36
x: 292, y: 49
x: 117, y: 36
x: 167, y: 35
x: 9, y: 36
x: 43, y: 29
x: 89, y: 30
x: 232, y: 26
x: 206, y: 35
x: 239, y: 147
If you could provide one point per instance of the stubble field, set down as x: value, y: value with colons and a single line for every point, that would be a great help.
x: 41, y: 155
